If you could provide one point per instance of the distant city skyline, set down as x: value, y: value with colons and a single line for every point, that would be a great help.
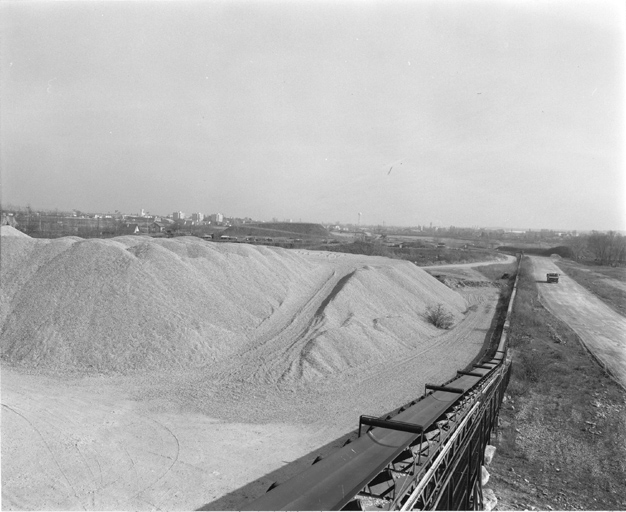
x: 470, y: 113
x: 426, y: 225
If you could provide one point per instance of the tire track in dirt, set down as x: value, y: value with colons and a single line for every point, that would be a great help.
x: 54, y: 459
x: 133, y: 467
x: 169, y: 468
x: 93, y: 477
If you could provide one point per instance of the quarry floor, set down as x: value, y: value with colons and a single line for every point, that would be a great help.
x: 208, y: 438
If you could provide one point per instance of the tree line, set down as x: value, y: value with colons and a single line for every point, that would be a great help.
x: 606, y: 248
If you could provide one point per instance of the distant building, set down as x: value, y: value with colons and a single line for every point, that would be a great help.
x: 197, y: 217
x: 216, y: 218
x: 159, y: 227
x: 178, y: 215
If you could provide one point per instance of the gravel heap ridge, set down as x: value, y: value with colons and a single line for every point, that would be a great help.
x: 135, y: 303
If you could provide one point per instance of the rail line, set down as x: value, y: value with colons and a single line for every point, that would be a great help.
x: 426, y: 456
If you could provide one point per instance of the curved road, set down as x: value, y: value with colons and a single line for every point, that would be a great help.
x: 507, y: 259
x: 602, y: 330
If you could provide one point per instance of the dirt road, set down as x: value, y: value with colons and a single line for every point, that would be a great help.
x: 601, y: 329
x: 506, y: 259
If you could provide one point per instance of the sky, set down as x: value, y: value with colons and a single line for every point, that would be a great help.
x: 466, y: 113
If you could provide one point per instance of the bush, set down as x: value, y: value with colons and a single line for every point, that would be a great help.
x: 439, y: 316
x: 530, y: 367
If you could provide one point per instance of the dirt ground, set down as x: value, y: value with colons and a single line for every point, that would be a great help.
x: 214, y: 437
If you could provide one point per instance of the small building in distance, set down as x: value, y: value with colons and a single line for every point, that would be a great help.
x: 216, y: 218
x: 159, y: 227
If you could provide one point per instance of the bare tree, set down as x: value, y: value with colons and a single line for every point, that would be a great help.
x: 578, y: 245
x: 608, y: 248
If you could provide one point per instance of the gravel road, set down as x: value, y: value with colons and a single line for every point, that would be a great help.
x: 506, y: 259
x: 602, y: 330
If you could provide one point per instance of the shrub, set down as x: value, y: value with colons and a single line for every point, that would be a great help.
x: 439, y: 316
x: 530, y: 367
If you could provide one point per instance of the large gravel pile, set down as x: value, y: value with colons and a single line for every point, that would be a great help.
x: 136, y: 303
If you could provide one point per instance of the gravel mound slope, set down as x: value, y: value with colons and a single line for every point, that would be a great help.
x: 133, y: 303
x: 374, y: 314
x: 11, y: 231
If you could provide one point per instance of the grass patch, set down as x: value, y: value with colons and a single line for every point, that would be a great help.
x: 422, y: 256
x: 597, y: 279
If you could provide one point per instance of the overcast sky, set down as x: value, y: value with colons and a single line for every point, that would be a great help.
x: 465, y: 113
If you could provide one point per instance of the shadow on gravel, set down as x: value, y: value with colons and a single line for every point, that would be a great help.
x: 236, y: 499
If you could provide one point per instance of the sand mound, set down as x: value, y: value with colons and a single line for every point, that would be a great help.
x: 135, y: 303
x: 11, y: 231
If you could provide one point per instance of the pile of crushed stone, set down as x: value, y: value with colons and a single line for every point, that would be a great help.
x: 134, y: 303
x: 11, y: 231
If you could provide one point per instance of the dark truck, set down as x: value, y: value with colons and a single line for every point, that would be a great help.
x: 552, y: 277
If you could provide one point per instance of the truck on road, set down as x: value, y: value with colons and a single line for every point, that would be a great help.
x: 552, y: 277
